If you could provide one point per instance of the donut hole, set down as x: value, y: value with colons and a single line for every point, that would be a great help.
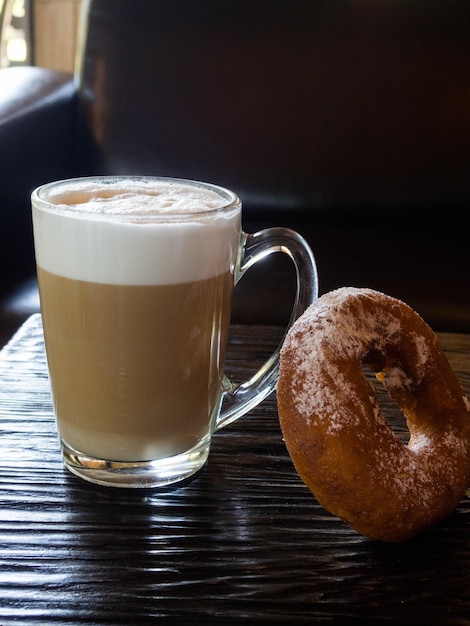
x: 389, y: 407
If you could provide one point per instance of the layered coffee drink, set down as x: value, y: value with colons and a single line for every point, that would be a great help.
x: 136, y: 282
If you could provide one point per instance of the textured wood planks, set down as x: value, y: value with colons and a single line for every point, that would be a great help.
x: 245, y: 541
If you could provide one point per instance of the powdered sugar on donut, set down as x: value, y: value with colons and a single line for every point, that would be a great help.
x: 326, y: 336
x: 336, y: 433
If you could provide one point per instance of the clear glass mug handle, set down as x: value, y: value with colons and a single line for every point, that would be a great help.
x: 238, y: 399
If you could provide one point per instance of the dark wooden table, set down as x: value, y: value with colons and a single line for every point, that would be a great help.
x: 243, y: 542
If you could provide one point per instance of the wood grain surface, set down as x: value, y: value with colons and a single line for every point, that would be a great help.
x: 243, y: 542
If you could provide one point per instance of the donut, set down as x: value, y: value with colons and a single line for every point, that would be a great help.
x: 335, y: 431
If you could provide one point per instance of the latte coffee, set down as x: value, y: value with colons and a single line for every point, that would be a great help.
x: 136, y: 283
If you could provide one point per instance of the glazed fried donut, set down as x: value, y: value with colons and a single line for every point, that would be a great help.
x: 336, y: 434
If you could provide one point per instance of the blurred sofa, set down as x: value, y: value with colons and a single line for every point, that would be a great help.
x: 348, y: 121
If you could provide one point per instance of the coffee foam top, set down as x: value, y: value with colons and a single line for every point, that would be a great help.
x: 136, y: 233
x: 136, y: 198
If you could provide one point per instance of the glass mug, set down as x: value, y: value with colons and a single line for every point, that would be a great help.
x: 136, y: 276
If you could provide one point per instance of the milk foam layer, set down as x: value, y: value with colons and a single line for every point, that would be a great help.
x: 134, y: 232
x: 143, y: 197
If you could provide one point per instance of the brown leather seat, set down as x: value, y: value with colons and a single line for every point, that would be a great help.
x: 347, y: 121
